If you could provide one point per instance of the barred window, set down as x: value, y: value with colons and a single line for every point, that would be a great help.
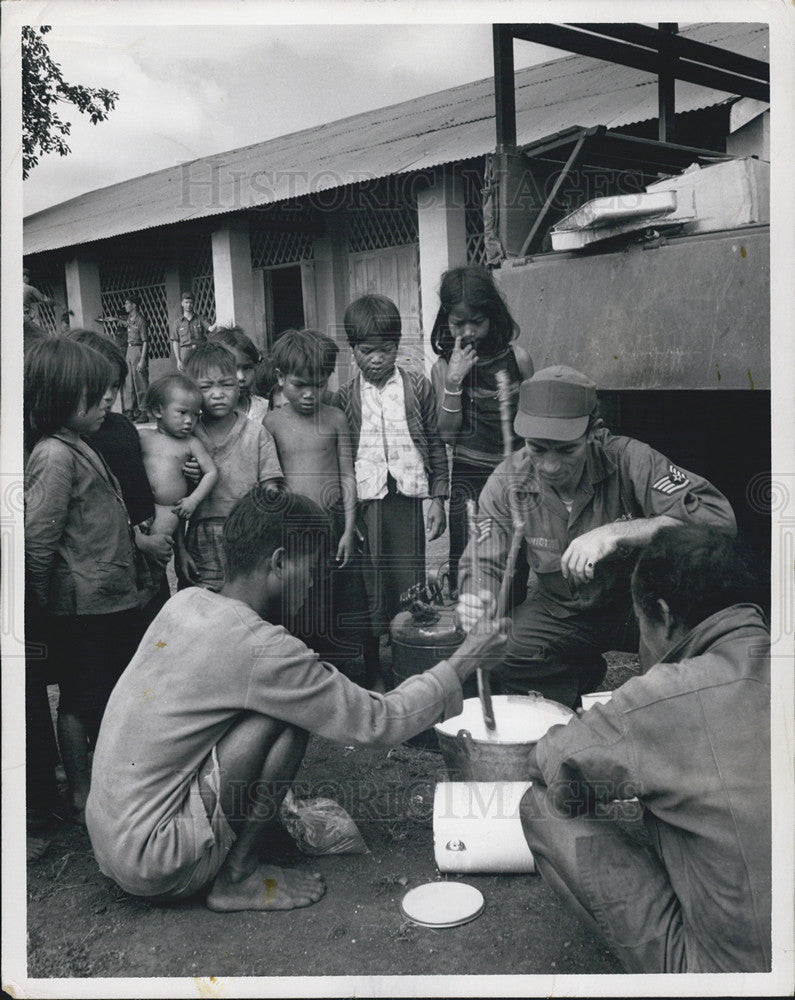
x: 146, y: 280
x: 382, y: 213
x: 49, y: 315
x: 284, y: 234
x: 473, y: 215
x: 199, y: 266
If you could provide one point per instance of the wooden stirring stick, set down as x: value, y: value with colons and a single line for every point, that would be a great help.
x: 484, y: 685
x: 504, y: 396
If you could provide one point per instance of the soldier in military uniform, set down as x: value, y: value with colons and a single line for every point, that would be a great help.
x: 587, y: 501
x: 130, y: 333
x: 190, y: 331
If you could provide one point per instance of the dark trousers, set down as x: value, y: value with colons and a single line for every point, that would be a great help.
x: 41, y: 752
x: 394, y: 552
x: 561, y: 658
x: 334, y: 620
x: 465, y: 484
x: 90, y: 653
x: 618, y: 887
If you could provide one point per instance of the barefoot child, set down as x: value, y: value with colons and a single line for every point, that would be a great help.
x: 244, y: 454
x: 174, y: 401
x: 79, y: 558
x: 186, y: 781
x: 399, y: 456
x: 314, y: 447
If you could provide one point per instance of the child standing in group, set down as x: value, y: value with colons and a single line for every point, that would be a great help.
x: 248, y: 360
x: 119, y: 443
x: 314, y: 446
x: 174, y: 401
x: 472, y: 335
x: 399, y: 456
x: 79, y: 556
x: 243, y: 452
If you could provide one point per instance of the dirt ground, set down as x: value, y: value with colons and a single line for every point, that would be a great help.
x: 81, y: 925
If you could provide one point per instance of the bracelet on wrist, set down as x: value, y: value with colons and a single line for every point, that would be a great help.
x: 453, y: 392
x: 449, y: 409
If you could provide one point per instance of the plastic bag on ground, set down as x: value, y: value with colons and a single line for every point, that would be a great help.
x: 320, y: 826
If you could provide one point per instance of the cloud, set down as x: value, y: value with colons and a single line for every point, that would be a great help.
x: 187, y: 92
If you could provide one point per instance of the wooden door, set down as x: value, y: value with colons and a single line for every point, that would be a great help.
x: 393, y: 272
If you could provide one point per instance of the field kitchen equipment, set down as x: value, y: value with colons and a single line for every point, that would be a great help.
x: 474, y: 753
x: 422, y: 635
x: 477, y: 828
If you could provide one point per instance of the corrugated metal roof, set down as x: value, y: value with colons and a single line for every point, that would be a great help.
x: 443, y: 127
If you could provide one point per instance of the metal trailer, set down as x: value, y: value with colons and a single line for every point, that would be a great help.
x: 676, y: 334
x: 673, y: 328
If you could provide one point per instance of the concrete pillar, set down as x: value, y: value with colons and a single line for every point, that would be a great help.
x: 442, y: 230
x: 234, y: 287
x: 332, y: 288
x: 83, y: 292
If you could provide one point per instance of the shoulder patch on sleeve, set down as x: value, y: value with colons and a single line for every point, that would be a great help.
x: 674, y: 481
x: 483, y: 528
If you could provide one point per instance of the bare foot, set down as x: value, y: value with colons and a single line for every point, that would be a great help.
x: 266, y: 888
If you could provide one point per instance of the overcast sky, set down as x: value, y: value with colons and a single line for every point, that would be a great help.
x: 186, y: 92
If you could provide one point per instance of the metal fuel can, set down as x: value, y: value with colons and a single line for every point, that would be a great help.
x: 421, y: 636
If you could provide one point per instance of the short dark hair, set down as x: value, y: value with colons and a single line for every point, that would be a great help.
x: 372, y: 317
x: 211, y: 354
x: 159, y: 392
x: 696, y: 570
x: 131, y: 297
x: 59, y: 373
x: 103, y: 345
x: 185, y: 294
x: 474, y: 287
x: 305, y: 352
x: 271, y: 516
x: 236, y: 337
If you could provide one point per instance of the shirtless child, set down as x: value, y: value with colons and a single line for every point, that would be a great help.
x: 312, y: 438
x: 174, y: 400
x: 314, y: 446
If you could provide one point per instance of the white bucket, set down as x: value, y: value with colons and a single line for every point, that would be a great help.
x: 476, y: 827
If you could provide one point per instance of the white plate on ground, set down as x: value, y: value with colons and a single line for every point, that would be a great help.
x: 443, y: 904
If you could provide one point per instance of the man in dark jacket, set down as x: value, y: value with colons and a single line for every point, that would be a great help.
x: 690, y: 739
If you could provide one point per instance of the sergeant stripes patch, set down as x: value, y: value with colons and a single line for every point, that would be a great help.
x: 673, y: 481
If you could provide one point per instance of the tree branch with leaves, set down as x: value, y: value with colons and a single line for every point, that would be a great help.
x: 44, y: 90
